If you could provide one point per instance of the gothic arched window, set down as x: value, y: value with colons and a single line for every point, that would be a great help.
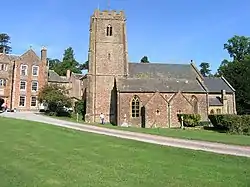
x: 109, y: 30
x: 135, y: 107
x: 194, y: 101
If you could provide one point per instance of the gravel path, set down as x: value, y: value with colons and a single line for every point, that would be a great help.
x: 174, y: 142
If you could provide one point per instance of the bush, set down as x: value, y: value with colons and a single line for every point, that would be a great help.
x: 190, y: 120
x: 232, y: 123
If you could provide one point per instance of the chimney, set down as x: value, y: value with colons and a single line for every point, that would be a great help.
x: 44, y: 54
x: 68, y: 74
x: 223, y: 96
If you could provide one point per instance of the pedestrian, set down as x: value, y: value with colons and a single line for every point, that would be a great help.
x: 4, y: 107
x: 102, y: 118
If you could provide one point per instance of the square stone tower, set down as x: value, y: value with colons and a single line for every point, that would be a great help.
x: 107, y: 61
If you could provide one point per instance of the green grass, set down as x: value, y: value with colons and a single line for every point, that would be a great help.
x: 192, y: 134
x: 34, y: 154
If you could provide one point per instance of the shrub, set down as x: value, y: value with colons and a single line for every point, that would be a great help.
x: 232, y: 123
x: 190, y: 120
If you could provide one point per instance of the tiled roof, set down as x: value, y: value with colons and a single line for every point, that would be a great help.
x: 54, y: 77
x: 8, y: 57
x: 165, y: 71
x: 160, y: 77
x: 215, y: 101
x: 216, y: 84
x: 161, y: 85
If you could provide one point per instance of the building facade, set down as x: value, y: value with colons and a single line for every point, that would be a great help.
x: 21, y: 77
x: 144, y: 95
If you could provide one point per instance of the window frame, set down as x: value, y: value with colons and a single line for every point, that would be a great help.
x: 31, y: 101
x: 109, y: 31
x: 24, y: 103
x: 35, y: 66
x: 3, y: 82
x: 25, y: 85
x: 36, y: 86
x: 3, y: 67
x: 26, y: 69
x: 135, y: 107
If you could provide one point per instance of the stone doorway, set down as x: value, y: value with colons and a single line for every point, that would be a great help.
x: 143, y: 117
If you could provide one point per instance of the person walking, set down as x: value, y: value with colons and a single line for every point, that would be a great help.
x: 102, y: 118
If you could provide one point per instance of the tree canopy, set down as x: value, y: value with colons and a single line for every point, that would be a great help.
x: 237, y: 71
x: 5, y: 43
x: 68, y: 63
x: 238, y: 47
x: 205, y: 69
x: 55, y: 96
x: 144, y: 59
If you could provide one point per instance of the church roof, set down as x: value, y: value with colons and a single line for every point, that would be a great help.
x: 165, y: 71
x: 161, y: 85
x: 216, y: 84
x: 215, y: 101
x: 148, y: 77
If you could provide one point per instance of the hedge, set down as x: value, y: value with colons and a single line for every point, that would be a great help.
x: 190, y: 120
x: 232, y: 123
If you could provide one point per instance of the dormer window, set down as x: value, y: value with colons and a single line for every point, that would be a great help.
x: 109, y: 30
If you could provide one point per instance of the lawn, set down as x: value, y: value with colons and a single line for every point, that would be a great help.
x: 35, y: 154
x: 192, y: 134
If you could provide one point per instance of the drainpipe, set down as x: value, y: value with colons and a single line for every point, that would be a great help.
x: 12, y: 86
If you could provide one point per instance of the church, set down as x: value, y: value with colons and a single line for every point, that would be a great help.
x: 144, y: 94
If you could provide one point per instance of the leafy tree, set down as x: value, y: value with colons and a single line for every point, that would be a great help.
x: 5, y: 43
x: 144, y: 59
x: 56, y: 97
x: 238, y: 47
x: 237, y: 71
x: 54, y: 64
x: 69, y: 62
x: 238, y: 75
x: 205, y: 69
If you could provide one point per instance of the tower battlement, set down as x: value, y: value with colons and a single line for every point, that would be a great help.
x: 106, y: 14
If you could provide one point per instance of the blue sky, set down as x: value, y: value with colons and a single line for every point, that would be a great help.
x: 173, y: 31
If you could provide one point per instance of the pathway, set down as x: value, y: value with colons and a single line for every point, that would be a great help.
x: 166, y: 141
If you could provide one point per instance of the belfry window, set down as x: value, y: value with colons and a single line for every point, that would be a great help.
x: 135, y: 107
x: 109, y: 30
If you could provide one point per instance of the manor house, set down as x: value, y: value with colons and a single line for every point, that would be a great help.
x: 137, y: 94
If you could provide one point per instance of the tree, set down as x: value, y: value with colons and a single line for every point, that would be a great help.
x: 53, y: 64
x: 238, y: 75
x: 5, y: 43
x: 84, y: 65
x: 205, y: 71
x: 56, y: 97
x: 69, y: 62
x: 238, y: 47
x: 144, y: 59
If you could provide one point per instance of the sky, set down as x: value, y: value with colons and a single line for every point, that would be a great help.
x: 167, y: 31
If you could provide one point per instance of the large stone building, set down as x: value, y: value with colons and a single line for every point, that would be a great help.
x: 137, y: 94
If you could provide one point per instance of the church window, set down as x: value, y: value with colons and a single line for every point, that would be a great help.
x: 135, y: 110
x: 109, y: 56
x: 212, y: 112
x: 195, y: 104
x: 109, y: 30
x: 218, y: 111
x: 157, y: 112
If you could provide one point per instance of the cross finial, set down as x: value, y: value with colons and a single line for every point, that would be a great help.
x: 30, y: 46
